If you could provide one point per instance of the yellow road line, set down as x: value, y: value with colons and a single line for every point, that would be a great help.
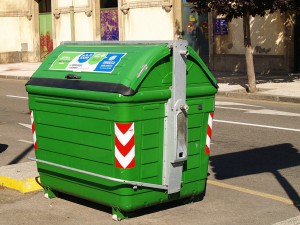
x: 252, y: 192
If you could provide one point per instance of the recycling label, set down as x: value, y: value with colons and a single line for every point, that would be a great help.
x: 100, y: 62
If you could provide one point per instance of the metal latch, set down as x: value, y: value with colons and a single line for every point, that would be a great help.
x: 72, y: 76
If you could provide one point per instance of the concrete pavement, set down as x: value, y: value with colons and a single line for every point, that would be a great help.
x: 21, y: 71
x: 284, y: 88
x: 21, y: 177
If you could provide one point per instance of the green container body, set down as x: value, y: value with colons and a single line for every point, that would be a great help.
x: 75, y: 122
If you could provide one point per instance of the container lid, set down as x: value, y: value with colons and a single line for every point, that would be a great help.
x: 98, y: 66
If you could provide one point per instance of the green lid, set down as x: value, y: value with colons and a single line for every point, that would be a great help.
x: 105, y: 67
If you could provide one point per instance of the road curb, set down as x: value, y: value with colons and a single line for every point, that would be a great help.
x: 258, y: 96
x: 14, y: 77
x: 22, y: 177
x: 231, y: 94
x: 23, y: 186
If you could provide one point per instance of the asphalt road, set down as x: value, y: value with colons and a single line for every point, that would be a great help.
x: 15, y: 138
x: 254, y: 170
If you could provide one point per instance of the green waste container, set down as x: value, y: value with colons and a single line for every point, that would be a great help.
x: 124, y: 124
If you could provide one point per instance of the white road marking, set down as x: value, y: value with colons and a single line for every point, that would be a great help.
x: 224, y: 105
x: 234, y: 103
x: 291, y: 221
x: 258, y: 125
x: 14, y: 96
x: 272, y: 112
x: 25, y: 125
x: 28, y: 142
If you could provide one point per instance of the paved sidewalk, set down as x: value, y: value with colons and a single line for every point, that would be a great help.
x: 284, y: 88
x: 21, y: 71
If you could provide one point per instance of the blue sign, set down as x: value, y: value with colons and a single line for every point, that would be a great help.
x: 85, y: 57
x: 221, y: 26
x: 108, y: 64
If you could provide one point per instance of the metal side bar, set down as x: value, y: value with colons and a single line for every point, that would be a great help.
x: 135, y: 184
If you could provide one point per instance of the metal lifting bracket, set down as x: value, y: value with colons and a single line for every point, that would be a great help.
x: 175, y: 133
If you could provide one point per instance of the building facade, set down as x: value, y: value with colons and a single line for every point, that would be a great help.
x: 32, y: 28
x: 275, y: 41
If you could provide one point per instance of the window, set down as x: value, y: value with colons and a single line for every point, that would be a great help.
x: 44, y: 6
x: 108, y: 4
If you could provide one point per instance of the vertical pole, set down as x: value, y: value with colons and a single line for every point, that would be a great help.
x: 211, y: 40
x: 72, y: 23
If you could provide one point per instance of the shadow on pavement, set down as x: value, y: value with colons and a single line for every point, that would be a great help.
x: 21, y: 156
x: 3, y: 148
x: 261, y: 160
x: 137, y: 213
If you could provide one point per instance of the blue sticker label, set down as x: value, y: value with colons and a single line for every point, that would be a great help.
x: 85, y: 57
x: 96, y: 62
x: 108, y: 64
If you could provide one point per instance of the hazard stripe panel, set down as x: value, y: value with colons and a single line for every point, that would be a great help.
x: 33, y: 129
x: 124, y: 145
x: 209, y: 133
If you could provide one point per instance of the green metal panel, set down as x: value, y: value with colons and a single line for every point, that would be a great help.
x: 76, y: 128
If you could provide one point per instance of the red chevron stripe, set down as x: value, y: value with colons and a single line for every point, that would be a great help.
x: 124, y: 134
x: 130, y: 165
x: 207, y: 150
x: 33, y: 127
x: 209, y: 131
x: 35, y: 145
x: 118, y: 165
x: 123, y: 127
x: 124, y: 150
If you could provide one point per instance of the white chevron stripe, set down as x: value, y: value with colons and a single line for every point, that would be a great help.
x: 209, y: 124
x: 124, y: 161
x: 124, y: 138
x: 31, y: 117
x: 207, y: 141
x: 210, y: 120
x: 33, y: 131
x: 34, y: 137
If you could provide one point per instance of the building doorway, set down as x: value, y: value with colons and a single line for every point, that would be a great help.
x: 196, y: 31
x: 297, y: 44
x: 109, y: 20
x: 45, y: 25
